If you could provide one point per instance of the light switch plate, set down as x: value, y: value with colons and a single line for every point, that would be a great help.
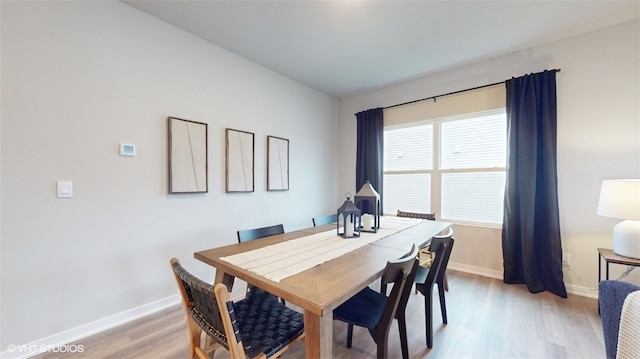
x: 65, y: 189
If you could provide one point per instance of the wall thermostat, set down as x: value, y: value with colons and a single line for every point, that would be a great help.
x: 127, y: 150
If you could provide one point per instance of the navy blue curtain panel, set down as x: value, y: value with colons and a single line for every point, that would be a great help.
x: 370, y: 152
x: 531, y: 246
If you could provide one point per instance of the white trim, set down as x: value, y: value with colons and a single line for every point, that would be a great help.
x: 582, y: 291
x: 85, y: 330
x: 498, y: 274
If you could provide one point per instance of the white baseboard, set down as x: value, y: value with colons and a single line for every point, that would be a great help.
x: 571, y: 288
x: 475, y: 270
x: 581, y: 291
x: 61, y: 340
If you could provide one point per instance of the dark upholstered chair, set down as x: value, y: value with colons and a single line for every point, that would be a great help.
x: 376, y: 311
x: 426, y: 277
x: 246, y: 235
x: 255, y: 327
x: 425, y: 257
x: 611, y: 298
x: 318, y: 221
x: 629, y: 333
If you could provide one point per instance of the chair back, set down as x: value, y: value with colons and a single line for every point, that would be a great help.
x: 611, y: 297
x: 629, y: 333
x: 257, y: 326
x: 441, y: 246
x: 428, y: 216
x: 437, y: 241
x: 201, y: 307
x: 401, y: 273
x: 246, y: 235
x: 318, y: 221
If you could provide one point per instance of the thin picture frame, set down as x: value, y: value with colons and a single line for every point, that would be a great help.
x: 188, y: 156
x: 240, y: 161
x: 277, y: 164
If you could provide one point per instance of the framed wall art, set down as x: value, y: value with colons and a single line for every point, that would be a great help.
x: 277, y: 164
x: 188, y: 156
x: 239, y: 161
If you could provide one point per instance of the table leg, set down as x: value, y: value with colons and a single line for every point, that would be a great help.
x: 599, y: 268
x: 318, y: 341
x: 599, y: 278
x: 226, y: 279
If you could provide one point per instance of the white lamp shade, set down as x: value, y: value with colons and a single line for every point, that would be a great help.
x: 620, y: 198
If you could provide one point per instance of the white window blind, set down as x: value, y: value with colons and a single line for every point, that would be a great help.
x: 473, y: 196
x: 408, y: 162
x: 453, y: 166
x: 409, y: 148
x: 477, y: 142
x: 408, y: 192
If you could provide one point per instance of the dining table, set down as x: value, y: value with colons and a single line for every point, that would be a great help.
x: 322, y: 287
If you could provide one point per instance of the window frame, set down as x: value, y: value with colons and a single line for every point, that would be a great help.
x: 436, y: 171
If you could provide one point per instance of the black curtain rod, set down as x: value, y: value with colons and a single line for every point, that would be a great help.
x: 451, y: 93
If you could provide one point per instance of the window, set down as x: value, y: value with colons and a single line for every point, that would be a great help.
x: 452, y: 166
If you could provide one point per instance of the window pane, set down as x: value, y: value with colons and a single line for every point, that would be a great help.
x: 478, y: 142
x: 473, y: 196
x: 407, y: 192
x: 409, y: 148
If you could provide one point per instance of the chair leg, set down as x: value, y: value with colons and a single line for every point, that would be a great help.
x: 195, y: 337
x: 382, y: 340
x: 210, y: 344
x: 443, y: 305
x: 382, y: 350
x: 446, y: 282
x: 402, y: 326
x: 428, y: 318
x: 349, y: 335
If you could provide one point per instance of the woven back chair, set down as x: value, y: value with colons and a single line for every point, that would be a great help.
x: 427, y: 216
x: 255, y: 327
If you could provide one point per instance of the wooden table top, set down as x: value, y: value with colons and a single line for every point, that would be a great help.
x: 611, y: 257
x: 325, y: 286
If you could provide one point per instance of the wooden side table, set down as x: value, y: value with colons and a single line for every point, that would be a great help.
x: 610, y: 257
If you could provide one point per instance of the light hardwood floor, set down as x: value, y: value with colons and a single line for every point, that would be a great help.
x: 487, y: 319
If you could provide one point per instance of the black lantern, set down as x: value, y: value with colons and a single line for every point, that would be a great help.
x: 349, y: 220
x: 368, y: 201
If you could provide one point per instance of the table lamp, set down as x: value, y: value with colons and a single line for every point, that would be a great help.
x: 620, y: 198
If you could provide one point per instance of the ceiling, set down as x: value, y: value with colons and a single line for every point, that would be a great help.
x: 347, y: 47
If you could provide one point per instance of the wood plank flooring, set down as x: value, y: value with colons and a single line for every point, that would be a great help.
x: 487, y: 319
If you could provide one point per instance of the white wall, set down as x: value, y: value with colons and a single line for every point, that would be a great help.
x: 78, y: 79
x: 598, y: 138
